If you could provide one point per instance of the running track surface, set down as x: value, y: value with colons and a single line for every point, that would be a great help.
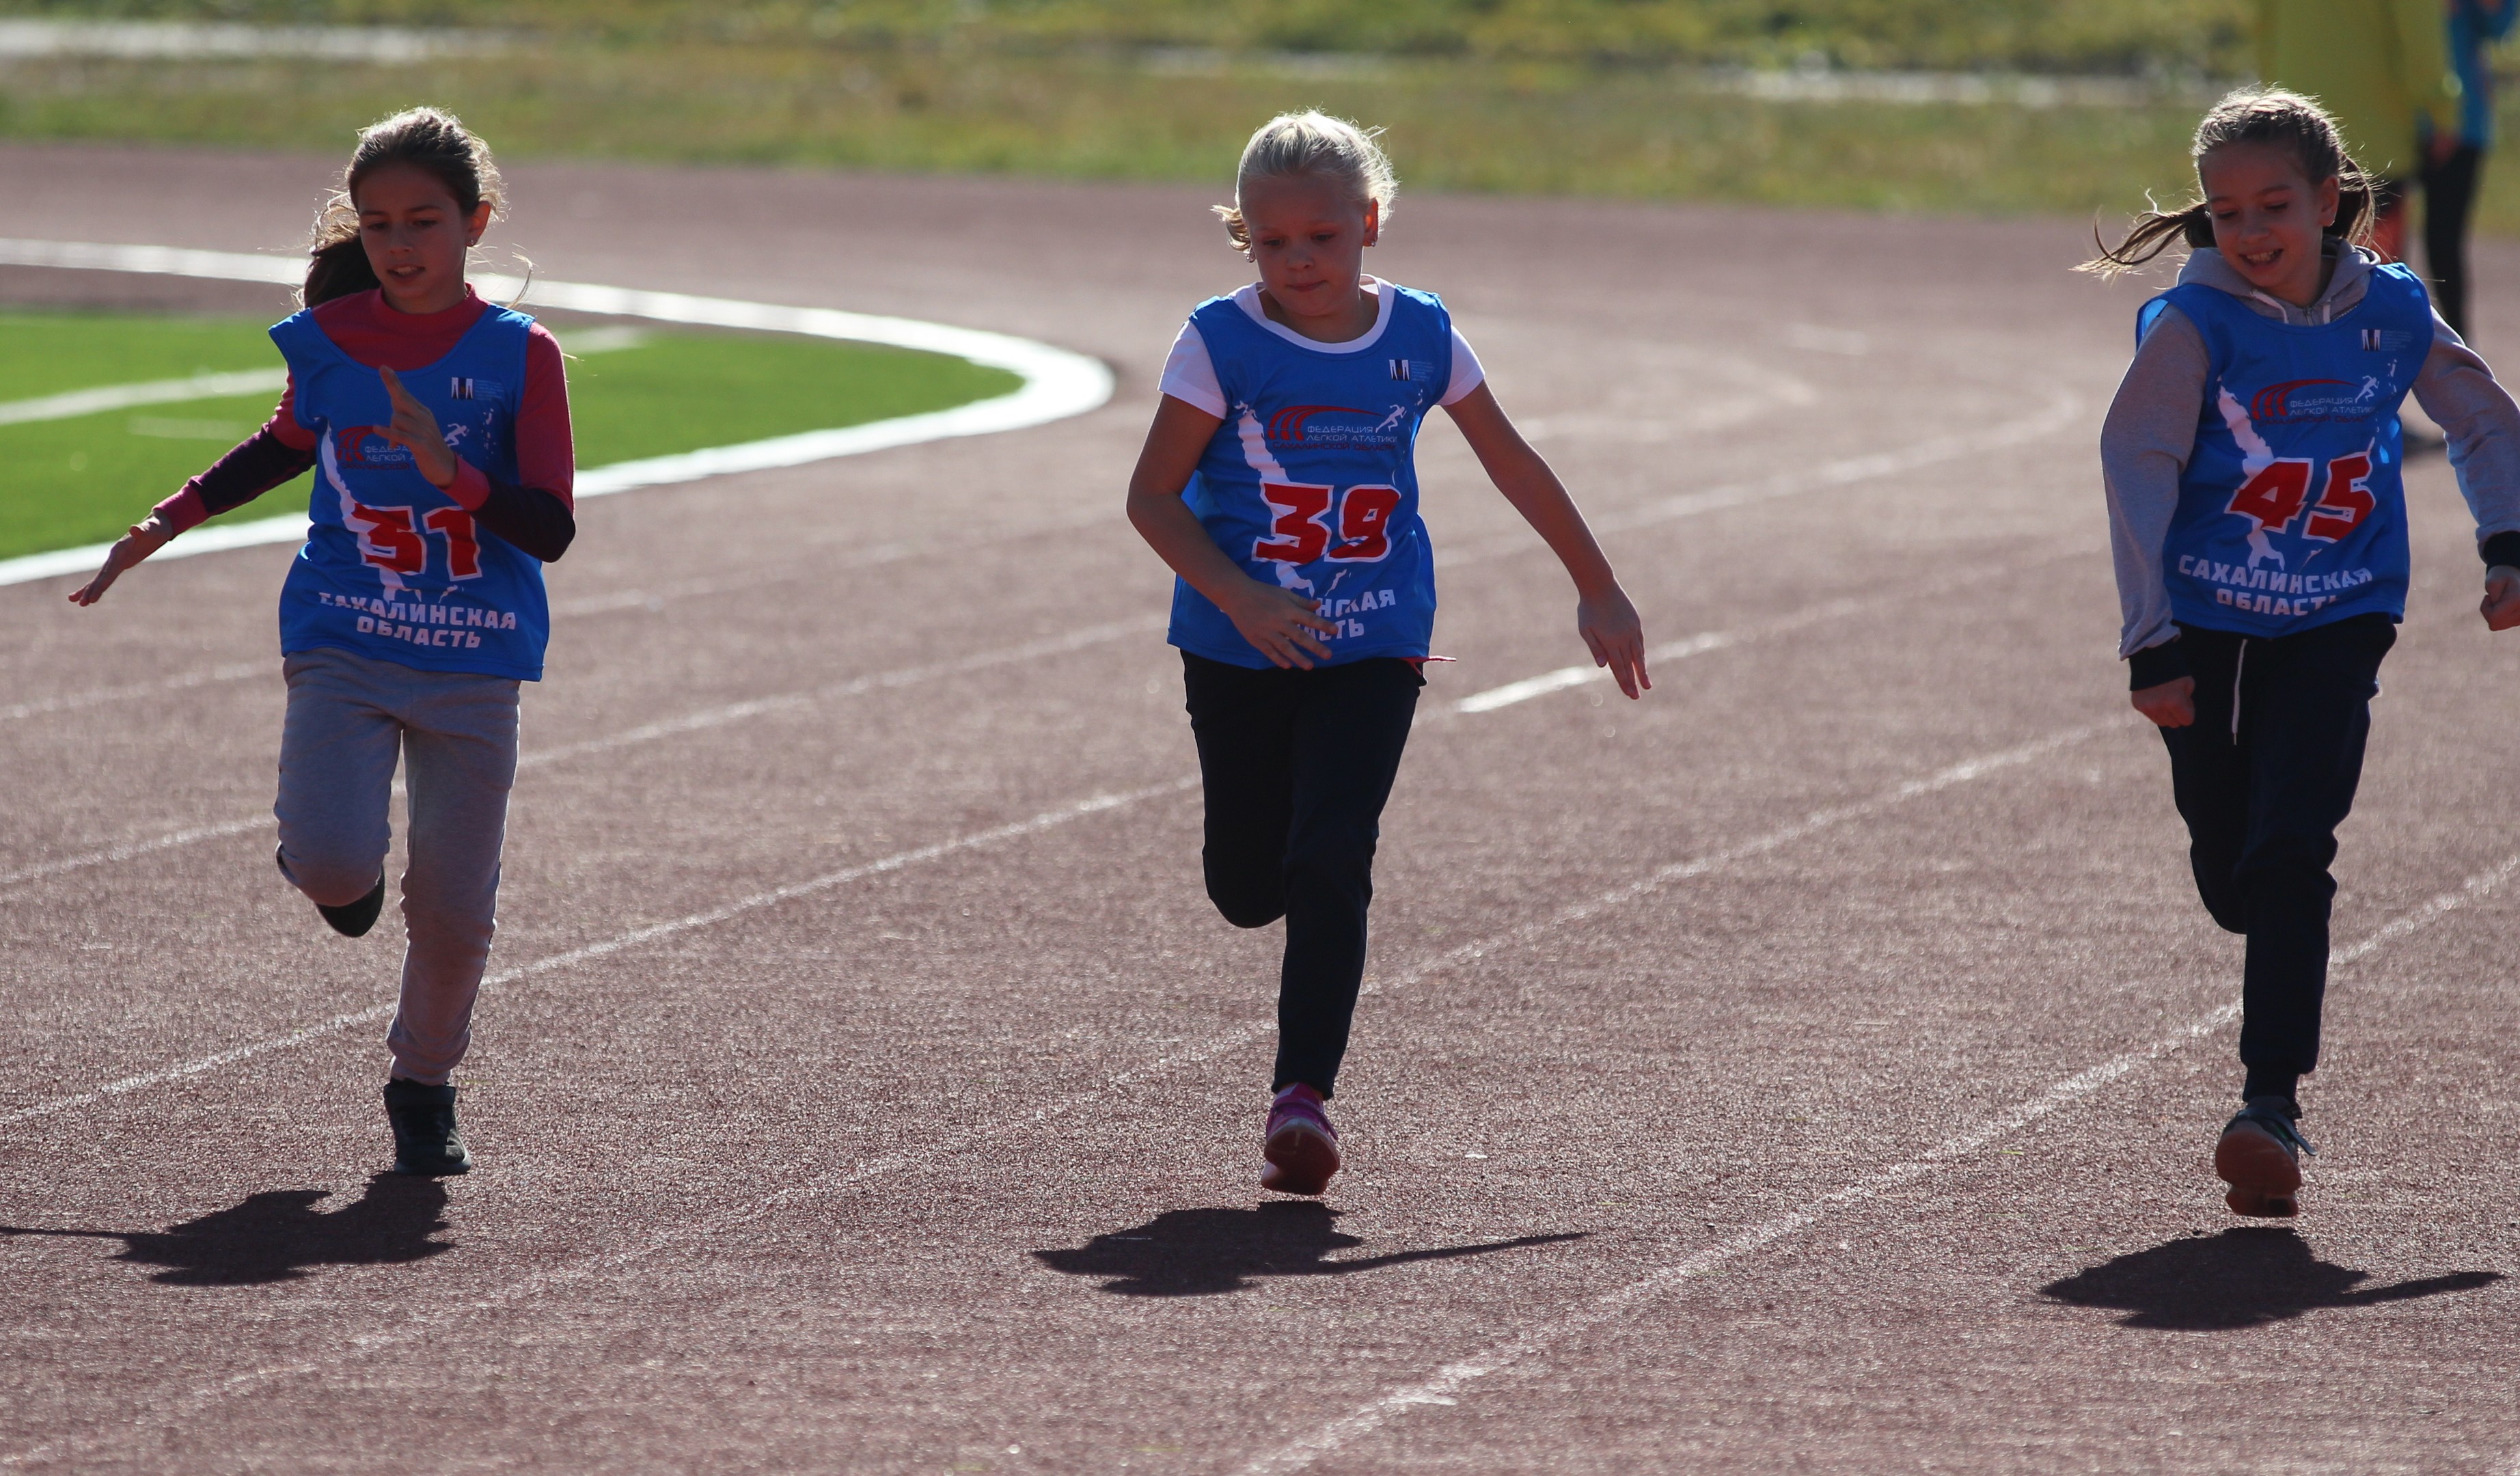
x: 1813, y: 1067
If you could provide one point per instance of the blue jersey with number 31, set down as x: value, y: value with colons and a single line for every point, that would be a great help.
x: 1310, y: 483
x: 393, y: 568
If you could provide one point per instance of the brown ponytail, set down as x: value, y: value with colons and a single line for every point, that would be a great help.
x: 2251, y: 116
x: 424, y: 138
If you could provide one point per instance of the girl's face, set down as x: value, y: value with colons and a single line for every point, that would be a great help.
x: 2267, y: 218
x: 415, y: 236
x: 1308, y: 238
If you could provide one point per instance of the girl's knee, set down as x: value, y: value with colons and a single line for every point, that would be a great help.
x: 331, y: 878
x: 1250, y: 904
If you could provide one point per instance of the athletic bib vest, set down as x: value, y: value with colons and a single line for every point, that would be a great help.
x: 1310, y: 483
x: 393, y: 568
x: 2292, y: 512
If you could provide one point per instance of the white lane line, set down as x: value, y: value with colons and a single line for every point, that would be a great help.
x: 200, y: 387
x: 1446, y: 1384
x: 1567, y: 677
x: 908, y: 676
x: 2060, y: 411
x: 1057, y: 383
x: 1045, y: 820
x: 690, y: 722
x: 233, y: 671
x: 719, y: 716
x: 130, y: 850
x: 683, y: 1237
x: 592, y: 604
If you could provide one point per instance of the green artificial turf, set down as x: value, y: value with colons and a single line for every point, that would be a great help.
x: 66, y: 482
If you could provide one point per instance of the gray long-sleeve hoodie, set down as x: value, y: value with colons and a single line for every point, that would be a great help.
x: 2151, y: 430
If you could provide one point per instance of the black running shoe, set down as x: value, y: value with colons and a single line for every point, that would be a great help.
x: 2260, y: 1157
x: 352, y: 919
x: 426, y: 1139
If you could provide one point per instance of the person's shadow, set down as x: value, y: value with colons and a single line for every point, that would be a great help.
x: 277, y: 1234
x: 1193, y: 1253
x: 2243, y: 1278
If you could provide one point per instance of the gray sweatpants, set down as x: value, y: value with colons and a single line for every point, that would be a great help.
x: 348, y: 717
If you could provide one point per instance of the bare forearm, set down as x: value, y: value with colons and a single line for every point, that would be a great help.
x: 1543, y: 501
x: 1173, y: 531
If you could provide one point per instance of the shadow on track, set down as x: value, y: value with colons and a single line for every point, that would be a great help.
x: 277, y: 1234
x: 1197, y: 1253
x: 2243, y: 1278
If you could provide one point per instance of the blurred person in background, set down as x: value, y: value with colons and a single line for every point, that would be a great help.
x: 2451, y: 163
x: 2376, y: 66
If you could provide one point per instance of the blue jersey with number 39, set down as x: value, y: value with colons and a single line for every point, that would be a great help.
x: 1310, y: 483
x: 393, y: 568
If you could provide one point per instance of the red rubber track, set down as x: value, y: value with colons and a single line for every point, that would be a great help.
x: 1814, y: 1067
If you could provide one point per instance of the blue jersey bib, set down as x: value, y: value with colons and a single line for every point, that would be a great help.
x: 2292, y: 512
x: 393, y: 568
x: 1310, y: 483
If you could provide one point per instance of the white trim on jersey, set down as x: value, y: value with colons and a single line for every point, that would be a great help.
x: 1190, y: 373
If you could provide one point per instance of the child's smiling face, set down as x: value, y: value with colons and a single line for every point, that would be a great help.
x: 1308, y: 238
x: 2269, y: 218
x: 415, y: 236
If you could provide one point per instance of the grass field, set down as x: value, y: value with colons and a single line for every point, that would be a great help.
x: 633, y: 394
x: 1592, y: 97
x: 1580, y: 97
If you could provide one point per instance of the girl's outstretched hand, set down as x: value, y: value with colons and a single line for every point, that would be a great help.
x: 1609, y: 625
x: 146, y: 537
x: 415, y: 429
x: 1280, y: 623
x: 2172, y: 705
x: 2501, y: 605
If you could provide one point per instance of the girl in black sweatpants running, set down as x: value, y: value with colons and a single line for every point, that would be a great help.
x: 1279, y: 481
x: 2253, y: 459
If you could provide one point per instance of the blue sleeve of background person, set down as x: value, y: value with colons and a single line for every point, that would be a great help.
x: 2472, y: 28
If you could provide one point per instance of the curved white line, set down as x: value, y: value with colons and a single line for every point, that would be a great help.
x: 1058, y: 382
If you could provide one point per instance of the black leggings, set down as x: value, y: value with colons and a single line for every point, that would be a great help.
x: 2264, y: 777
x: 1297, y: 765
x: 2449, y: 198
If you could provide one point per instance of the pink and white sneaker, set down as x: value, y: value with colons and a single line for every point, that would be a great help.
x: 1301, y: 1146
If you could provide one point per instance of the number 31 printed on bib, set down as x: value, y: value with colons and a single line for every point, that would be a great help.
x: 2273, y: 497
x: 391, y: 539
x: 1300, y: 513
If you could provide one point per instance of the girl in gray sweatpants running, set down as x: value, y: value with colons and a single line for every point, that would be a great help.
x: 438, y: 429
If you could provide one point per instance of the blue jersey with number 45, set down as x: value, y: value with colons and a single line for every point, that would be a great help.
x: 2291, y: 511
x: 393, y: 568
x: 1310, y: 483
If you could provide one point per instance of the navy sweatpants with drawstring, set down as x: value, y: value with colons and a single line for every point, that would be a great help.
x: 2264, y: 777
x: 1297, y: 765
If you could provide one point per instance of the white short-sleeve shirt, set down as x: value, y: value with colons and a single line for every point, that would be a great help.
x: 1190, y: 375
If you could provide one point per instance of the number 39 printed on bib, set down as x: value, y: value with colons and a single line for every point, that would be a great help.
x: 1301, y: 532
x: 2273, y: 497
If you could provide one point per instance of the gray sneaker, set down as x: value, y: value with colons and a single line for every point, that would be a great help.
x: 2260, y: 1157
x: 426, y: 1139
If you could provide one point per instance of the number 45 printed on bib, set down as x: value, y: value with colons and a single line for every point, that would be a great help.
x: 2273, y: 497
x: 1300, y: 516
